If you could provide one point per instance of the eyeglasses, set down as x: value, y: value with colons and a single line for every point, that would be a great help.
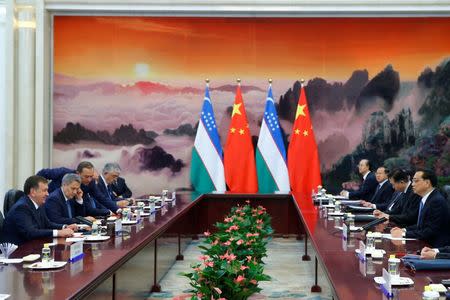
x: 414, y: 180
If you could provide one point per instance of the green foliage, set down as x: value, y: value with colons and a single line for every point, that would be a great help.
x: 443, y: 180
x: 430, y: 162
x: 437, y: 104
x: 231, y: 265
x: 397, y: 162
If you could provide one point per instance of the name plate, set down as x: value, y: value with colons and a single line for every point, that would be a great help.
x: 362, y: 251
x: 138, y: 216
x: 76, y: 251
x: 344, y: 231
x: 387, y: 286
x: 174, y: 199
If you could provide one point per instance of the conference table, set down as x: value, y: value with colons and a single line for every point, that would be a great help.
x: 350, y: 276
x: 131, y: 264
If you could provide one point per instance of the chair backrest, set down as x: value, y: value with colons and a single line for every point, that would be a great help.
x: 11, y: 197
x: 1, y: 225
x: 446, y: 191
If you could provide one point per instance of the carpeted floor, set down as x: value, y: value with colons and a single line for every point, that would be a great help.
x: 292, y: 278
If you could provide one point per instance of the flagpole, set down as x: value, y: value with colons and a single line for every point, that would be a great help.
x: 302, y: 82
x: 207, y: 82
x: 238, y: 81
x: 270, y: 82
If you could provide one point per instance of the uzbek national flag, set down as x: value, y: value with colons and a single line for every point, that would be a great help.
x: 207, y: 172
x: 270, y: 153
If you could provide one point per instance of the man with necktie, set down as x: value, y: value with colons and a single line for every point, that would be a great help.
x: 27, y: 219
x: 403, y: 207
x: 120, y: 188
x: 384, y: 190
x: 368, y: 186
x: 432, y: 224
x: 65, y: 203
x: 94, y: 202
x: 110, y: 173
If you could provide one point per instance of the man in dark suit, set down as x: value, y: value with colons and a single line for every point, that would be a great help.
x: 120, y: 188
x: 110, y: 173
x: 433, y: 217
x: 384, y: 190
x: 95, y: 204
x: 368, y: 186
x: 27, y: 219
x: 65, y: 203
x: 403, y: 208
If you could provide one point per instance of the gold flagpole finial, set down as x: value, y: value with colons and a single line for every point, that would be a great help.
x: 302, y: 81
x: 238, y: 81
x: 270, y: 81
x: 207, y: 81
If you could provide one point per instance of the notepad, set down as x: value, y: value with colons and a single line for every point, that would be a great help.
x: 389, y: 237
x: 74, y: 239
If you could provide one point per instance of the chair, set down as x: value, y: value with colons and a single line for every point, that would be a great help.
x: 11, y: 197
x: 446, y: 191
x: 1, y: 224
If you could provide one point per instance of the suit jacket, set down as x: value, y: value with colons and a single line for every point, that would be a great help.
x: 121, y: 189
x: 392, y: 204
x: 383, y: 194
x: 91, y: 205
x: 24, y: 222
x: 366, y: 190
x: 433, y: 226
x: 105, y: 195
x: 57, y: 210
x: 444, y: 253
x: 55, y: 175
x: 408, y: 210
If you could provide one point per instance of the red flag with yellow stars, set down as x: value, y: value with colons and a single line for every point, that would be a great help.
x: 303, y: 157
x: 239, y: 156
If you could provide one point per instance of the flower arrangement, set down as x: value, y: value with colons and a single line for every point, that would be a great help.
x: 231, y: 263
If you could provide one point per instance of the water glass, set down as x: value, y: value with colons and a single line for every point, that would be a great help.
x: 393, y: 266
x: 370, y: 241
x: 46, y: 253
x: 164, y: 195
x: 337, y: 206
x: 94, y: 229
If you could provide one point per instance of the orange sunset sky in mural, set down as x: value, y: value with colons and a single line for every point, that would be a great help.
x: 155, y: 48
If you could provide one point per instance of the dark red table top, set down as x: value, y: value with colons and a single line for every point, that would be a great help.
x: 100, y: 261
x: 350, y: 277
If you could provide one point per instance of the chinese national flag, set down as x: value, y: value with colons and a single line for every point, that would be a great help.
x: 303, y: 158
x: 239, y: 157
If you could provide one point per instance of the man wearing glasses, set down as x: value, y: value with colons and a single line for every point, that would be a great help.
x: 433, y: 218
